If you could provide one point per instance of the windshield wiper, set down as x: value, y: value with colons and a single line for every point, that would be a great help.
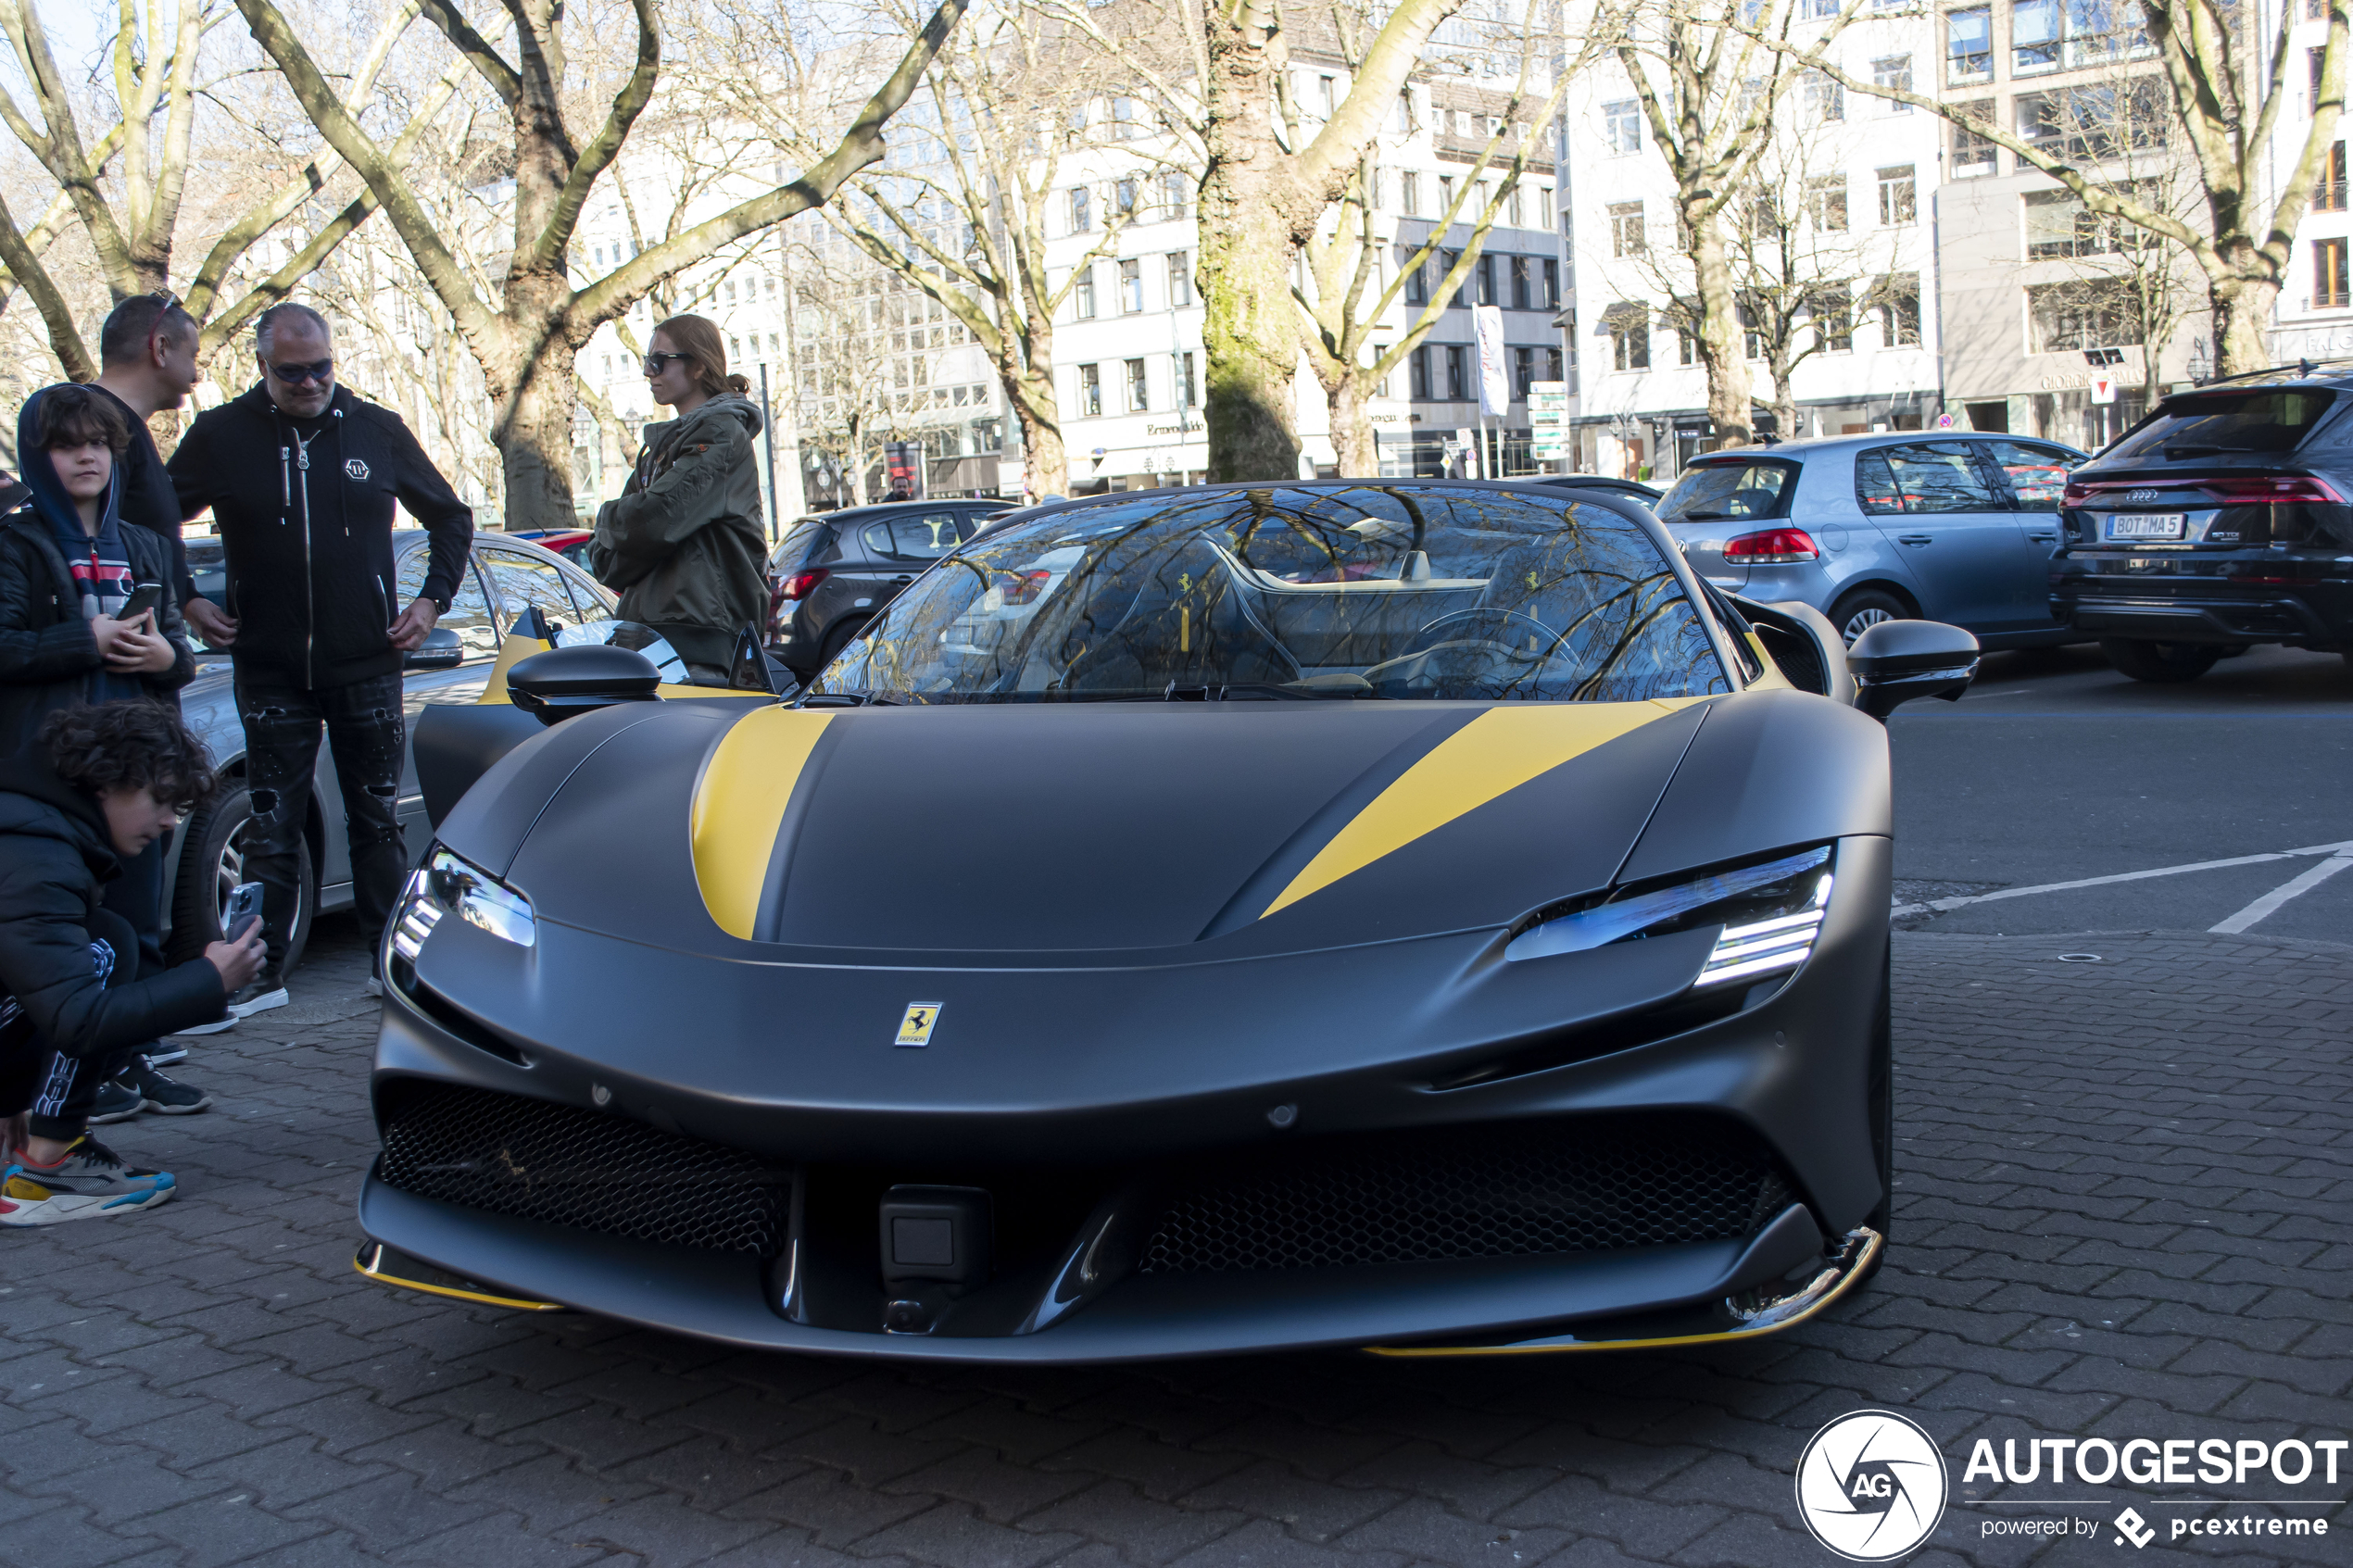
x: 849, y: 700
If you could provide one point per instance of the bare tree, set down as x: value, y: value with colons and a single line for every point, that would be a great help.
x: 854, y: 390
x: 2229, y: 87
x: 526, y: 328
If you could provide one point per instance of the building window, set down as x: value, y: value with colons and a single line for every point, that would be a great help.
x: 1445, y: 194
x: 1123, y: 198
x: 2328, y: 195
x: 1968, y: 46
x: 2058, y: 224
x: 1523, y: 283
x: 1180, y: 279
x: 1898, y: 197
x: 1629, y: 325
x: 1825, y: 203
x: 1090, y: 390
x: 1552, y: 299
x: 1972, y: 150
x: 1551, y: 364
x: 1446, y: 260
x: 2086, y: 313
x: 1132, y: 288
x: 1139, y: 399
x: 1418, y: 375
x: 1457, y: 372
x: 1124, y: 125
x: 1083, y: 296
x: 1401, y: 113
x: 1416, y: 277
x: 1622, y: 126
x: 1175, y: 194
x: 1899, y: 310
x: 1486, y: 271
x: 2095, y: 122
x: 1514, y: 217
x: 2328, y: 276
x: 1625, y: 229
x: 2035, y: 37
x: 1894, y: 72
x: 1825, y: 99
x: 1082, y: 210
x: 1188, y: 389
x: 1409, y: 193
x: 1833, y: 308
x: 1523, y: 371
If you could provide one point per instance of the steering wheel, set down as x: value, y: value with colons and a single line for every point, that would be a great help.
x: 1476, y: 652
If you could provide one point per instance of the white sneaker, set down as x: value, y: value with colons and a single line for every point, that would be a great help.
x: 254, y: 999
x: 226, y: 1021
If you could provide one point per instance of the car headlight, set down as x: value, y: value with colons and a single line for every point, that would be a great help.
x: 1771, y: 914
x: 449, y: 885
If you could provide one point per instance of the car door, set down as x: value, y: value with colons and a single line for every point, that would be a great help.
x: 903, y: 542
x: 2035, y: 474
x: 1936, y: 501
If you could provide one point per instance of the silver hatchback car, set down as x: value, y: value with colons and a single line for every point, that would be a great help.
x: 1959, y: 528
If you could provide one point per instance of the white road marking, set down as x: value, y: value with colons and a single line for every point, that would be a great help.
x: 2269, y: 905
x: 1941, y: 905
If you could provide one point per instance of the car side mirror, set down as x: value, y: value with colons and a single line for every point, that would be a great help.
x: 1898, y: 661
x: 440, y: 651
x: 554, y: 685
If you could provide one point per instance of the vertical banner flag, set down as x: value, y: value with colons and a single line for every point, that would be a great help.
x: 1495, y: 381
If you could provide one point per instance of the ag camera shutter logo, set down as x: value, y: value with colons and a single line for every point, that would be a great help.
x: 1871, y: 1485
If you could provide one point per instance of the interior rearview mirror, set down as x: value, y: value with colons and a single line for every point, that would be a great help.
x: 1897, y: 660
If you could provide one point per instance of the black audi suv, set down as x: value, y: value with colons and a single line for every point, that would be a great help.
x: 2221, y: 521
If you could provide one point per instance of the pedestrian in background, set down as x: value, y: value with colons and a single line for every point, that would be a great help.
x: 302, y: 478
x: 68, y: 563
x: 684, y: 543
x: 97, y: 787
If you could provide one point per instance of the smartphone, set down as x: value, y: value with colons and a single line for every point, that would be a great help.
x: 245, y: 908
x: 144, y: 597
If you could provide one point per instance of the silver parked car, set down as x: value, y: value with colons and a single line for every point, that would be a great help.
x: 207, y: 859
x: 1959, y: 528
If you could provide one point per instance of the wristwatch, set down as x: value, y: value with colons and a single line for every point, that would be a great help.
x: 440, y: 604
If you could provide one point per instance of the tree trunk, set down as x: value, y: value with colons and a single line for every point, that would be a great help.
x: 2242, y: 309
x: 1352, y: 439
x: 533, y: 432
x: 1720, y: 348
x: 1250, y: 330
x: 1029, y: 390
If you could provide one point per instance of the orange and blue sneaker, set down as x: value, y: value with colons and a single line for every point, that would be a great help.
x: 88, y: 1179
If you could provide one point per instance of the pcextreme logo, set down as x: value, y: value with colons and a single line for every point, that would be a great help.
x: 1871, y: 1485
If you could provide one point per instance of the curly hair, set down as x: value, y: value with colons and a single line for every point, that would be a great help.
x: 75, y: 416
x: 131, y: 745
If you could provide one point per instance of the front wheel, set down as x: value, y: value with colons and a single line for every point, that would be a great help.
x: 1864, y: 609
x: 212, y: 863
x: 2165, y: 663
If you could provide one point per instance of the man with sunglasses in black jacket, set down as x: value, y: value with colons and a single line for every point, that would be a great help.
x: 303, y: 479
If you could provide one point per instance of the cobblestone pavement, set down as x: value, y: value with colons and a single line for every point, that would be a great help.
x: 2126, y: 1210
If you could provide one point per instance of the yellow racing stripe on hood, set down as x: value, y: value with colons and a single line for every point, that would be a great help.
x: 739, y: 806
x: 1498, y: 751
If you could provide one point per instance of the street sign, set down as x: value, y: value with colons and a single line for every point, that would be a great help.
x: 1548, y: 419
x: 2103, y: 389
x: 1945, y: 421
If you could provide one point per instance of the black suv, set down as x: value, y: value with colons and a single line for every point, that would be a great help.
x: 2222, y: 519
x: 830, y: 574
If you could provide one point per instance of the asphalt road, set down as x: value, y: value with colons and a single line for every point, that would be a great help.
x: 2057, y: 768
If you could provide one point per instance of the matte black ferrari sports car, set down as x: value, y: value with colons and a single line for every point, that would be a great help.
x: 1409, y: 915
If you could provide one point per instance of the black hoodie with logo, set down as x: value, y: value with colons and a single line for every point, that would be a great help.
x: 55, y: 855
x: 306, y: 511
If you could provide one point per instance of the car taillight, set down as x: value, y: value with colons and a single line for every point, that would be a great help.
x: 2282, y: 491
x: 2250, y: 491
x: 1021, y: 587
x: 1775, y: 546
x: 2077, y: 493
x: 797, y: 586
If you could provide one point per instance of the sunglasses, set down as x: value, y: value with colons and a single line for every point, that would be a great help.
x: 654, y: 362
x: 321, y: 370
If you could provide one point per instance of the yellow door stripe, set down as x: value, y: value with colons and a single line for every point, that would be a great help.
x: 739, y: 806
x: 1498, y: 751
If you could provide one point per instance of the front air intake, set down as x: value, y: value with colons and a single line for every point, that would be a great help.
x: 561, y: 1165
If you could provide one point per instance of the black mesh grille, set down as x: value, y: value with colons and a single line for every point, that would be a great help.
x: 1483, y: 1193
x: 565, y: 1166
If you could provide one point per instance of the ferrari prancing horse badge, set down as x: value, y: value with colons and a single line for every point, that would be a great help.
x: 915, y: 1028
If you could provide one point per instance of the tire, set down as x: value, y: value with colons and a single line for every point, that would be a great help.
x: 1858, y: 613
x: 2164, y: 663
x: 211, y: 862
x: 1880, y: 1106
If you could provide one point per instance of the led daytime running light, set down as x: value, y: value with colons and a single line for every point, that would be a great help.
x: 449, y: 885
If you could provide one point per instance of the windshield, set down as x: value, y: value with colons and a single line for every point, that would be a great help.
x: 1392, y: 591
x: 2268, y: 419
x: 1712, y: 492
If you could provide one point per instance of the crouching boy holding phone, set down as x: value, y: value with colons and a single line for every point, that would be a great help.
x: 96, y: 787
x: 84, y: 619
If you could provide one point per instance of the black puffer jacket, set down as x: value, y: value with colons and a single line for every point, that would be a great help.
x: 308, y: 531
x: 54, y: 854
x: 46, y: 652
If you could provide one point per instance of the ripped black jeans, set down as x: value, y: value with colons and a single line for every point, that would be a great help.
x: 365, y: 733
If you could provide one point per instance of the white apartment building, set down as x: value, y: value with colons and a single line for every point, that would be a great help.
x: 1862, y: 171
x: 2315, y: 310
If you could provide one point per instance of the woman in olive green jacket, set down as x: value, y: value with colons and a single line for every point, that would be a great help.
x: 684, y: 543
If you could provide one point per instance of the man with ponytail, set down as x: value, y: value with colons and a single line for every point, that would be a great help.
x: 684, y: 543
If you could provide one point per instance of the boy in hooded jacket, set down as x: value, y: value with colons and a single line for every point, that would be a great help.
x: 98, y: 786
x: 684, y: 543
x: 68, y: 560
